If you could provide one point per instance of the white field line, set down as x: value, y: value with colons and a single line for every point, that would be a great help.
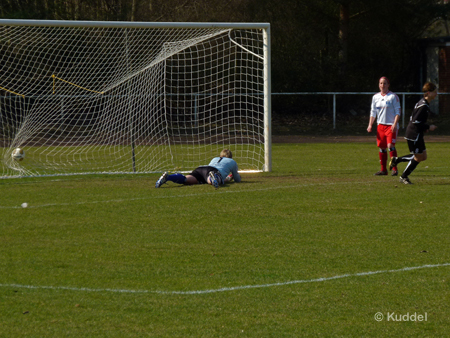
x: 234, y: 288
x: 20, y: 182
x: 192, y: 194
x: 180, y: 196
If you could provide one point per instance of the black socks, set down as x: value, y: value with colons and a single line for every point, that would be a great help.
x: 409, y: 168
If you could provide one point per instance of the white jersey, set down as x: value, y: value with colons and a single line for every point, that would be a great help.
x: 385, y: 107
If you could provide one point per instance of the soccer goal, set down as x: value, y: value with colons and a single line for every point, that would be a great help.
x: 129, y: 97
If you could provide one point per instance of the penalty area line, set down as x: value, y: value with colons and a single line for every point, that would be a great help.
x: 197, y: 194
x: 234, y: 288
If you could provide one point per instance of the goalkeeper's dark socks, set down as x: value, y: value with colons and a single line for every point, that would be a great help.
x: 410, y: 168
x: 177, y: 178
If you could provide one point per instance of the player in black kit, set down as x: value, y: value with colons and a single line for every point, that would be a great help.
x: 415, y: 130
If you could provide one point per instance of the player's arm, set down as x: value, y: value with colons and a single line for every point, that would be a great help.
x: 236, y: 176
x: 421, y: 114
x: 397, y: 110
x: 431, y: 127
x: 371, y: 121
x: 229, y: 178
x: 394, y: 126
x: 373, y: 115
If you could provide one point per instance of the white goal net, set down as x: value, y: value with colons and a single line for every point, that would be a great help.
x: 104, y: 97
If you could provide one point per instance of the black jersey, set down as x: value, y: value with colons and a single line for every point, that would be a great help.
x: 418, y: 122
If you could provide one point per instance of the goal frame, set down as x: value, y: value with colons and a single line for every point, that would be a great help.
x: 264, y: 27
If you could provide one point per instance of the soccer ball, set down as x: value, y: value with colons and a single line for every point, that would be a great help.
x: 18, y: 154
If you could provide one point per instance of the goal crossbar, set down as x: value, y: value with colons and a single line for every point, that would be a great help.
x: 132, y: 24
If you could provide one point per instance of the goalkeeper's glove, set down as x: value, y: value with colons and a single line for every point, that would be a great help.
x: 229, y: 178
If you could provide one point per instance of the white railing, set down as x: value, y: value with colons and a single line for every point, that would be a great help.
x: 334, y: 94
x: 196, y: 97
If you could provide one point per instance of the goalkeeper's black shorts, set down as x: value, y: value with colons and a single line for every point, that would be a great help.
x: 202, y: 173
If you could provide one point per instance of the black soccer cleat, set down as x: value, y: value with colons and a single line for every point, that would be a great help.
x: 381, y: 173
x: 405, y: 180
x: 393, y: 163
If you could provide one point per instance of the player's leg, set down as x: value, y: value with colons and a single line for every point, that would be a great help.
x: 190, y: 180
x: 383, y: 160
x: 205, y: 174
x: 198, y: 176
x: 382, y: 145
x: 418, y: 152
x: 393, y: 154
x: 161, y: 180
x: 404, y: 178
x: 391, y: 140
x: 397, y: 160
x: 419, y: 155
x: 413, y: 147
x: 176, y: 178
x: 215, y: 179
x: 413, y: 163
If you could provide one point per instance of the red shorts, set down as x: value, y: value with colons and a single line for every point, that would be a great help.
x: 385, y: 136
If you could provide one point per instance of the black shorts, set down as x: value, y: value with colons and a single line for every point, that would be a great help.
x: 418, y: 146
x: 201, y: 174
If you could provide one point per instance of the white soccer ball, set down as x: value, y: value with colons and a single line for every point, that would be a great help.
x: 18, y: 154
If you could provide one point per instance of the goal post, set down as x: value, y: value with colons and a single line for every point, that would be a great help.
x: 132, y: 97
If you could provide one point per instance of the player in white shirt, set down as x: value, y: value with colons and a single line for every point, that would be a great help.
x: 385, y: 109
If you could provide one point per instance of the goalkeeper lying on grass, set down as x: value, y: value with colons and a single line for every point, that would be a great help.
x: 213, y: 173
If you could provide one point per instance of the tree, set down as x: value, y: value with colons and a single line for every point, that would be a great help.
x: 344, y: 18
x: 316, y: 45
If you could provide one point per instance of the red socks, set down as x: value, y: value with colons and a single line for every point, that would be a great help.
x: 383, y: 159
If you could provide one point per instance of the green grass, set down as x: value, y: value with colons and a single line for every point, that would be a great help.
x: 111, y: 256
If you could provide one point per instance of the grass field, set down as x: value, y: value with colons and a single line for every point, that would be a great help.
x: 317, y: 247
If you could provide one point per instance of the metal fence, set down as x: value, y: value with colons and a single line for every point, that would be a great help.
x: 334, y: 95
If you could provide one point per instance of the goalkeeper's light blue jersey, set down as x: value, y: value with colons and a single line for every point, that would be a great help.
x: 226, y: 165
